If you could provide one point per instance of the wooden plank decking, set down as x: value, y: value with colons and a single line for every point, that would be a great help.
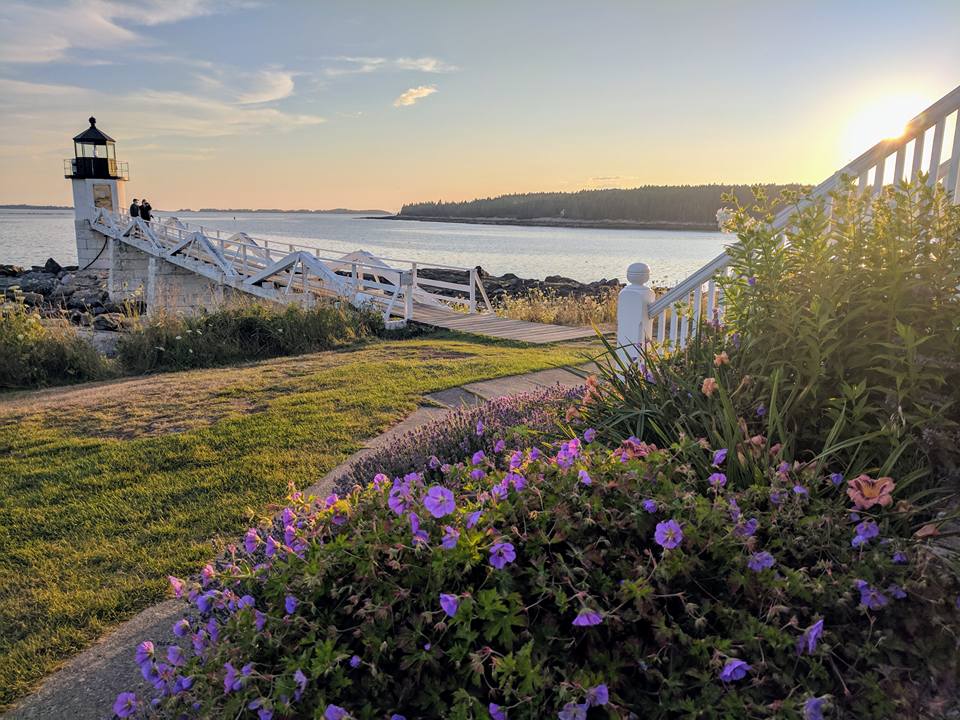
x: 498, y: 327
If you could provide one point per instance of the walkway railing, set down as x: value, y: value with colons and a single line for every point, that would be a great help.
x: 925, y: 146
x: 292, y: 272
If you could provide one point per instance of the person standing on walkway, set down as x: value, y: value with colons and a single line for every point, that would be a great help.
x: 134, y: 209
x: 145, y: 210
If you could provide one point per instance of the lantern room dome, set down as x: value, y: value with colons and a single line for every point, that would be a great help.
x: 93, y: 136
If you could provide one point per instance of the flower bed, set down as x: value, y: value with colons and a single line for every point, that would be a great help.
x: 579, y: 583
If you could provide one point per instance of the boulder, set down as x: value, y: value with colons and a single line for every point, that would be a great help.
x: 82, y: 299
x: 10, y: 271
x: 108, y: 321
x: 52, y: 266
x: 38, y: 282
x: 32, y: 298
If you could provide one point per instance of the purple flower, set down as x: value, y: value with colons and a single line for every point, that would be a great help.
x: 478, y: 457
x: 245, y: 602
x: 495, y: 712
x: 719, y: 457
x: 535, y: 454
x: 761, y: 410
x: 301, y: 680
x: 865, y: 532
x: 480, y: 427
x: 573, y: 711
x: 473, y: 518
x: 649, y: 505
x: 777, y: 497
x: 335, y: 712
x: 271, y: 547
x: 177, y: 585
x: 175, y: 656
x: 589, y: 435
x: 290, y: 604
x: 668, y: 534
x: 585, y: 477
x: 449, y: 603
x: 500, y: 490
x: 398, y: 716
x: 125, y: 705
x: 896, y: 592
x: 751, y: 281
x: 734, y: 670
x: 145, y: 652
x: 800, y: 490
x: 870, y: 597
x: 259, y: 619
x: 450, y: 538
x: 837, y: 480
x: 717, y: 480
x: 518, y: 481
x: 598, y: 695
x: 501, y: 554
x: 587, y: 618
x: 251, y: 540
x: 811, y: 636
x: 355, y: 661
x: 746, y: 529
x: 419, y: 536
x: 439, y: 501
x: 899, y: 558
x: 477, y: 474
x: 499, y: 446
x: 397, y: 500
x: 813, y: 708
x: 760, y: 561
x: 181, y: 628
x: 231, y: 680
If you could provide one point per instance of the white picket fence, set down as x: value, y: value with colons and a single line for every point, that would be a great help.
x: 924, y: 146
x: 289, y: 272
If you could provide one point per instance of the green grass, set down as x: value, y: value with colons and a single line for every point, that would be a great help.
x: 106, y: 489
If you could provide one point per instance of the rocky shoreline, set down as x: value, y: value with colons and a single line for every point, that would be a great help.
x: 59, y: 291
x: 510, y: 285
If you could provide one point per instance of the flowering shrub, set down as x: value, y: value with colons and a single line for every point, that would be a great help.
x: 580, y: 582
x: 239, y: 332
x: 462, y: 432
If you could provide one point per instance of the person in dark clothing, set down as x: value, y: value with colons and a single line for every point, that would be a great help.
x: 145, y: 210
x: 134, y: 209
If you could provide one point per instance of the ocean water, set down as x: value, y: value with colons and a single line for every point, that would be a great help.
x: 29, y: 237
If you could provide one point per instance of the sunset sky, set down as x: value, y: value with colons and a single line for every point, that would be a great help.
x: 368, y: 104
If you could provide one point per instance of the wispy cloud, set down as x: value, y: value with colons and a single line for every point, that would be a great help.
x: 412, y: 95
x: 347, y: 65
x: 267, y: 86
x: 34, y: 33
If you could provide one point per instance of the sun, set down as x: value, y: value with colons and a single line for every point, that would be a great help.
x: 883, y: 118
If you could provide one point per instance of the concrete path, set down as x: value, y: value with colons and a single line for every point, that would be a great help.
x: 87, y: 684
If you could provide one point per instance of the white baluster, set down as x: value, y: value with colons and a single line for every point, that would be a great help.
x: 917, y: 156
x: 899, y: 163
x: 936, y: 150
x: 878, y: 176
x: 633, y: 312
x: 662, y: 327
x: 953, y: 175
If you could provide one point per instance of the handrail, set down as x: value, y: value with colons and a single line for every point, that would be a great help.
x: 863, y: 163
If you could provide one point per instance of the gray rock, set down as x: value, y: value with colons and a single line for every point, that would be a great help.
x: 38, y: 282
x: 32, y: 298
x: 10, y: 270
x: 52, y: 266
x: 87, y: 298
x: 108, y: 321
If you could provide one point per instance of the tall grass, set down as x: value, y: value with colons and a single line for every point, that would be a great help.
x: 35, y: 353
x: 548, y: 307
x: 241, y: 331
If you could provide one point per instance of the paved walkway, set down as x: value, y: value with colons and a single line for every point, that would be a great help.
x: 86, y: 686
x: 499, y: 327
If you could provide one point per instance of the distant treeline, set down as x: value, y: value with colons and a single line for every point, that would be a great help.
x: 681, y: 204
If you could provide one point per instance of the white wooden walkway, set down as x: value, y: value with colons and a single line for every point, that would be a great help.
x: 293, y: 273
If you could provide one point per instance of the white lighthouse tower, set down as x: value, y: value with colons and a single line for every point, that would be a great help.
x: 98, y: 182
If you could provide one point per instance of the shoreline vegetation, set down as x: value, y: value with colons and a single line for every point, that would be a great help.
x: 651, y: 207
x: 562, y: 222
x: 332, y: 211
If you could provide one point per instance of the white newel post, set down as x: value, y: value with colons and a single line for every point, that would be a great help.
x: 633, y: 310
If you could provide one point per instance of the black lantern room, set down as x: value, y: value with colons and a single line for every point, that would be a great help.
x: 95, y: 156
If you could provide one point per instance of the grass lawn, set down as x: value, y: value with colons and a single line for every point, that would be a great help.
x: 107, y: 488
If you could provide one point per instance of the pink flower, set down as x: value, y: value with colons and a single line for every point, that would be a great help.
x: 709, y: 386
x: 865, y: 492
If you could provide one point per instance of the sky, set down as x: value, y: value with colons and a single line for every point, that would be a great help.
x: 367, y: 104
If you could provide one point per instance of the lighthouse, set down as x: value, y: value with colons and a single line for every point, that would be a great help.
x: 98, y: 182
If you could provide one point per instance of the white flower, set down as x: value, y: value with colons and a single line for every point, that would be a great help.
x: 179, y: 337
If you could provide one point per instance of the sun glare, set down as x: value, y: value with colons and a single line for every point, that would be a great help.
x: 884, y: 118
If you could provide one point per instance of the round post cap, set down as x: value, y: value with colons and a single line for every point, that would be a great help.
x: 638, y: 273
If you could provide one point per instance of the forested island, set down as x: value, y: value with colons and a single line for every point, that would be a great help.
x: 679, y: 207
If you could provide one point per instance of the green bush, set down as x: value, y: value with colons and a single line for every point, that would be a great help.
x: 573, y: 583
x: 848, y: 331
x: 35, y: 353
x: 241, y: 332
